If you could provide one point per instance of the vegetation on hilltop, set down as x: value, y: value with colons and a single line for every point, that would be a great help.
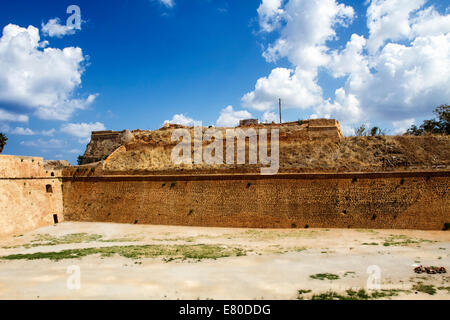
x: 3, y: 140
x: 434, y: 126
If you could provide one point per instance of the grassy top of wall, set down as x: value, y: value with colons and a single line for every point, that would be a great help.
x: 151, y: 154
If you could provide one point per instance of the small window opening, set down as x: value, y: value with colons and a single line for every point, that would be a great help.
x: 49, y: 188
x: 52, y: 174
x: 55, y: 218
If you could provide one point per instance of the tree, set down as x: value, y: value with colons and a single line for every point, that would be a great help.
x: 3, y: 140
x: 434, y: 126
x: 80, y: 160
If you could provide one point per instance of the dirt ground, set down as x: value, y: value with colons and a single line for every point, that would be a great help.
x: 116, y: 261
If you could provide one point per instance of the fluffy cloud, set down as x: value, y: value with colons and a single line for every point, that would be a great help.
x: 23, y: 131
x: 270, y: 15
x: 4, y: 128
x: 48, y: 133
x: 230, y: 118
x: 399, y: 72
x: 308, y: 26
x: 28, y: 132
x: 53, y: 28
x: 44, y: 144
x: 402, y: 125
x: 82, y: 130
x: 181, y: 119
x: 42, y: 80
x: 298, y: 89
x: 389, y: 20
x: 270, y: 117
x: 13, y: 117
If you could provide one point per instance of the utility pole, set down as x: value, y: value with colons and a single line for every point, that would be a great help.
x: 279, y: 106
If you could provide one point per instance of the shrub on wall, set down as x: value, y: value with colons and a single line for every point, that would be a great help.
x: 80, y: 160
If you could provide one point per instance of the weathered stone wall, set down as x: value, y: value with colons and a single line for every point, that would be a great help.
x: 103, y: 143
x: 26, y: 201
x: 418, y: 200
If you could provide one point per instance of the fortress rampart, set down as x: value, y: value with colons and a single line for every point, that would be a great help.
x: 399, y: 200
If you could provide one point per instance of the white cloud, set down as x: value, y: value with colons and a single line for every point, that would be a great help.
x: 28, y: 132
x: 297, y: 89
x: 270, y: 117
x: 389, y: 20
x: 350, y: 60
x: 230, y: 118
x: 48, y: 133
x: 4, y: 128
x: 270, y: 14
x: 181, y: 119
x: 82, y: 130
x: 43, y: 80
x: 430, y: 23
x: 400, y: 72
x: 44, y: 144
x: 410, y: 80
x: 346, y: 107
x: 167, y: 3
x: 23, y: 131
x: 53, y: 28
x: 13, y: 117
x: 308, y: 26
x: 401, y: 126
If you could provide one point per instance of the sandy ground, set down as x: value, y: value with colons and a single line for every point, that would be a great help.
x: 276, y: 265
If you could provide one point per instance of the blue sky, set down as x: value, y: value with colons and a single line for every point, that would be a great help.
x: 143, y: 62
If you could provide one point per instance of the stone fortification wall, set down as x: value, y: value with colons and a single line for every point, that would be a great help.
x: 418, y: 200
x: 30, y: 194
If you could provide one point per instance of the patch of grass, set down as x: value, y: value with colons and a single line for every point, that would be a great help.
x: 174, y: 252
x: 329, y: 295
x: 444, y: 288
x: 361, y: 294
x: 185, y: 239
x: 48, y: 240
x: 370, y: 244
x: 119, y: 240
x: 425, y: 288
x: 277, y: 249
x: 402, y: 240
x: 273, y: 235
x: 366, y: 230
x: 301, y: 293
x: 42, y: 240
x: 385, y: 293
x: 323, y: 276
